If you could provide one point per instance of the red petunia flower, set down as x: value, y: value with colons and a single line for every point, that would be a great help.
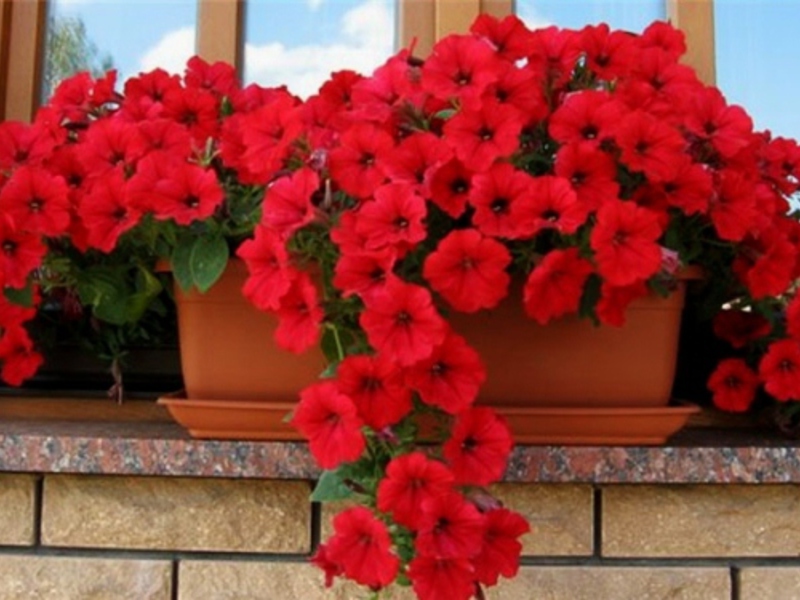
x: 591, y: 116
x: 361, y: 548
x: 174, y: 189
x: 609, y: 54
x: 218, y: 77
x: 478, y: 448
x: 502, y: 201
x: 330, y: 422
x: 393, y: 219
x: 144, y: 94
x: 24, y: 144
x: 436, y: 578
x: 552, y: 55
x: 501, y: 546
x: 37, y: 201
x: 625, y: 243
x: 195, y: 108
x: 733, y: 208
x: 166, y: 136
x: 357, y: 163
x: 733, y: 385
x: 363, y: 272
x: 299, y: 316
x: 480, y: 136
x: 267, y: 134
x: 106, y: 212
x: 321, y: 560
x: 728, y: 128
x: 270, y: 272
x: 449, y: 187
x: 555, y: 285
x: 779, y: 370
x: 402, y: 322
x: 459, y: 66
x: 469, y: 270
x: 554, y: 205
x: 519, y: 88
x: 650, y: 146
x: 690, y: 189
x: 376, y: 386
x: 614, y: 301
x: 412, y: 160
x: 591, y: 173
x: 20, y: 360
x: 287, y: 202
x: 412, y: 480
x: 449, y: 527
x: 451, y: 377
x: 20, y: 253
x: 509, y: 36
x: 111, y: 144
x: 766, y: 263
x: 739, y: 327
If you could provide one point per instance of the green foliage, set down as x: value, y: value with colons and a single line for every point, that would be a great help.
x: 199, y: 261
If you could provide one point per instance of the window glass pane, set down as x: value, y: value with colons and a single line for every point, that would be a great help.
x: 631, y: 15
x: 128, y: 35
x: 756, y: 55
x: 300, y: 42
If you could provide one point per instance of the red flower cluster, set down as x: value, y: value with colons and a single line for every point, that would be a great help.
x: 586, y: 166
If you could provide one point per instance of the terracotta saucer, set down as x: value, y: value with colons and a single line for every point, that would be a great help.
x: 231, y: 419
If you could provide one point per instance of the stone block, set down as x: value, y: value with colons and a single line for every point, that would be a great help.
x: 561, y: 517
x: 769, y: 583
x: 617, y: 583
x: 701, y: 521
x: 176, y: 514
x: 16, y: 515
x: 239, y: 580
x: 67, y: 578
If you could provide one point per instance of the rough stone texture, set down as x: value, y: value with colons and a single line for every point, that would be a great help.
x: 701, y: 521
x: 16, y: 516
x: 617, y: 583
x: 176, y: 514
x: 769, y: 583
x: 202, y: 580
x: 60, y: 578
x: 560, y: 517
x: 692, y: 456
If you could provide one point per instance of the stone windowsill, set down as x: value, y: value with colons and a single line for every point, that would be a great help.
x: 147, y: 443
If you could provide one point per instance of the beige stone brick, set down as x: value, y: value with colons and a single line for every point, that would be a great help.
x: 769, y: 583
x: 61, y: 578
x: 615, y: 583
x: 176, y: 514
x: 239, y: 580
x: 561, y: 517
x: 701, y: 521
x: 16, y: 514
x: 201, y: 580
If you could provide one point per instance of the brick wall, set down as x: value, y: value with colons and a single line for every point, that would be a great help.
x: 146, y: 538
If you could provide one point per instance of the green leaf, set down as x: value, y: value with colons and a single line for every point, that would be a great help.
x: 591, y: 294
x: 199, y: 262
x: 20, y: 296
x: 106, y: 291
x: 330, y: 487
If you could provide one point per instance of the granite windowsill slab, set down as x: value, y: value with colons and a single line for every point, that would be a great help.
x: 164, y: 449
